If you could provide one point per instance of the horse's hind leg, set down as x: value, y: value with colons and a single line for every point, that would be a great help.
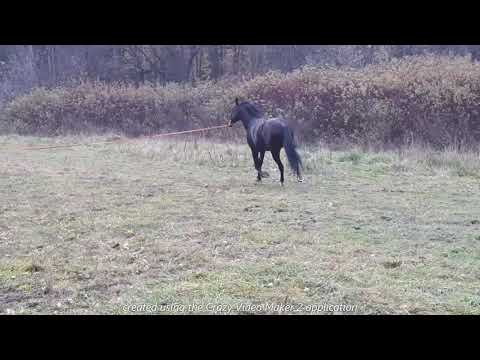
x: 276, y: 157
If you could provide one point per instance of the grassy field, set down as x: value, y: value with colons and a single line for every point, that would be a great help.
x: 171, y: 224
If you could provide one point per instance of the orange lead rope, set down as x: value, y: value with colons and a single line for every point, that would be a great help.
x: 116, y: 140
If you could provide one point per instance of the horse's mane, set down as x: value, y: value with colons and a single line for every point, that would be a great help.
x: 251, y: 109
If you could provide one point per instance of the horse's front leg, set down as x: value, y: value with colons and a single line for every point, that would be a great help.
x: 256, y: 162
x: 260, y: 163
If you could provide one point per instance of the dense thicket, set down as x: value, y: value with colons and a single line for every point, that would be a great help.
x: 430, y: 99
x: 25, y: 67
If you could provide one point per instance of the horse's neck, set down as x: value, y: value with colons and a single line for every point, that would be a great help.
x: 253, y: 129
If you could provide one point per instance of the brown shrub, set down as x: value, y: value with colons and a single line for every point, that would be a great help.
x: 427, y: 99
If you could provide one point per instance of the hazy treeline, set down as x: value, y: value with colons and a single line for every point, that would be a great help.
x: 428, y: 99
x: 23, y: 67
x: 393, y: 94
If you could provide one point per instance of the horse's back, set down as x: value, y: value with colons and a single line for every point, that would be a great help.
x: 276, y: 126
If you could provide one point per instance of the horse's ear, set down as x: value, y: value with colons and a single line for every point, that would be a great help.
x: 236, y: 101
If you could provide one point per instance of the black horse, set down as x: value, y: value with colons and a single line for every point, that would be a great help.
x: 267, y: 135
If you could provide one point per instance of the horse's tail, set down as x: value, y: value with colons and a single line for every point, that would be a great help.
x: 291, y: 150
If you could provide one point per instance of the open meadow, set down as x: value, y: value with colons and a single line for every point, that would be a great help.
x: 93, y: 229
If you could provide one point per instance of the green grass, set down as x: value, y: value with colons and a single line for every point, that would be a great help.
x: 93, y: 229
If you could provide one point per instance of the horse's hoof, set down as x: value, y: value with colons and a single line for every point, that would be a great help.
x: 265, y: 174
